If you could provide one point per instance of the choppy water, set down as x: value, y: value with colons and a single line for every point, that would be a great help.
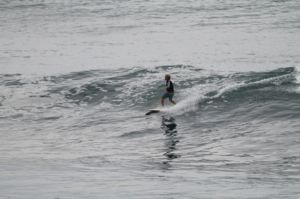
x: 73, y: 124
x: 48, y: 36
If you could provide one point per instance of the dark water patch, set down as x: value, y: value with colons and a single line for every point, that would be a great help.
x: 13, y: 116
x: 17, y: 82
x: 132, y: 73
x: 11, y: 80
x: 10, y: 75
x: 94, y: 161
x: 74, y: 76
x: 168, y: 67
x: 260, y: 93
x: 258, y: 76
x: 245, y: 109
x: 134, y: 134
x: 44, y: 96
x: 280, y: 1
x: 2, y: 99
x: 22, y: 5
x: 48, y: 118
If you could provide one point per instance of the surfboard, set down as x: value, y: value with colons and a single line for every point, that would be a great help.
x: 151, y: 111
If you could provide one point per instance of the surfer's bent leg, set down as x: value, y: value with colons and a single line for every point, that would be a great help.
x: 162, y: 100
x: 171, y: 98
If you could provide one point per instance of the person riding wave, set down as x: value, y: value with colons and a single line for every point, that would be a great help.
x: 169, y: 91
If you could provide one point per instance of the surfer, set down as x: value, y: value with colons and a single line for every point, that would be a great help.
x: 169, y: 91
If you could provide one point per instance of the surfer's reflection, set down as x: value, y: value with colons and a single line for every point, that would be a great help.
x: 168, y: 125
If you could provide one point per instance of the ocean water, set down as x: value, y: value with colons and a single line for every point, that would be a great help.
x: 77, y: 77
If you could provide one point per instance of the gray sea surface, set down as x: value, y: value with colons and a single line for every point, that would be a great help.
x: 77, y: 77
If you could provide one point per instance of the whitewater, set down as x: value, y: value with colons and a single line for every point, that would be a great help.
x: 77, y: 77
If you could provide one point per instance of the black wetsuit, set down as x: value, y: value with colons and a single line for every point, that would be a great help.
x: 169, y: 91
x: 170, y: 87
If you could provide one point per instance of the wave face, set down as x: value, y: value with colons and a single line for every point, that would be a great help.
x: 225, y: 126
x: 140, y: 89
